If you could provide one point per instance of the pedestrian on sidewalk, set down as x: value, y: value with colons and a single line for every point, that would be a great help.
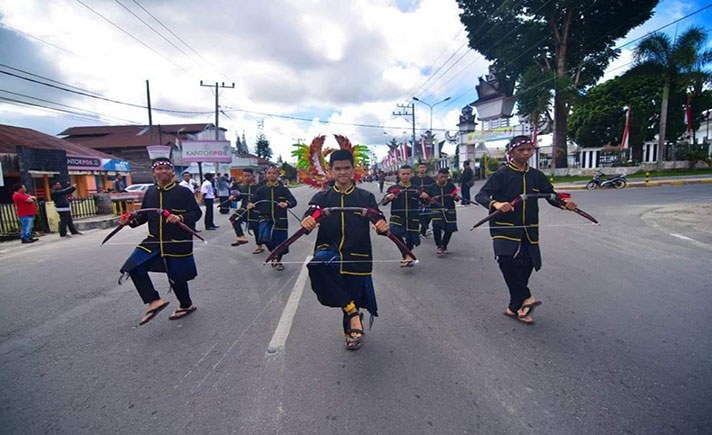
x: 340, y: 271
x: 61, y: 203
x: 467, y: 180
x: 168, y: 248
x: 515, y: 236
x: 26, y: 206
x: 208, y: 191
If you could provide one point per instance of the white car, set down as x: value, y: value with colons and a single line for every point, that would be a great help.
x: 134, y: 188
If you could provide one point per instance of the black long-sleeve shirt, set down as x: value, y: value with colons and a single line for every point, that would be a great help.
x: 274, y: 192
x: 505, y: 185
x: 59, y: 196
x: 405, y: 207
x: 346, y: 233
x: 170, y: 239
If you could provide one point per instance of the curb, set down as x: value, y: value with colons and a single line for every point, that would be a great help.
x: 109, y: 222
x: 641, y: 184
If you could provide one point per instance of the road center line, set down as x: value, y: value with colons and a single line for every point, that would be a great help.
x: 290, y: 309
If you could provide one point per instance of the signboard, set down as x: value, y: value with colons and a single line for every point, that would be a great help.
x: 83, y: 162
x: 206, y: 151
x: 115, y: 165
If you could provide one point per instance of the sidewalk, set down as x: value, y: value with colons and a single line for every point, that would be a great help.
x: 638, y: 182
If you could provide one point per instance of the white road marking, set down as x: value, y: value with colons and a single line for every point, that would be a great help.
x: 693, y: 241
x: 290, y: 309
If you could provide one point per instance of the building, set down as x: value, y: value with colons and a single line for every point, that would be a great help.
x: 35, y: 159
x: 129, y: 142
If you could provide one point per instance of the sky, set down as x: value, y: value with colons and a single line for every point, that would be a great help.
x: 331, y: 62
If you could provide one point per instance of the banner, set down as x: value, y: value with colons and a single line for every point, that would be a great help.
x: 626, y: 133
x: 217, y: 151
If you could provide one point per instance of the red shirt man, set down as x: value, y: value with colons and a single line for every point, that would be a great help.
x: 26, y: 211
x: 24, y: 203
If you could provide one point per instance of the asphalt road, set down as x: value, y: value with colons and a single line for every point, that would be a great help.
x: 621, y: 344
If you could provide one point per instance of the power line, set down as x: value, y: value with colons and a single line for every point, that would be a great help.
x: 297, y: 118
x: 178, y: 37
x: 99, y: 97
x: 156, y: 31
x: 502, y: 39
x: 42, y: 77
x: 421, y: 89
x: 39, y: 39
x: 186, y: 112
x: 64, y: 105
x: 47, y: 108
x: 131, y: 36
x: 616, y: 48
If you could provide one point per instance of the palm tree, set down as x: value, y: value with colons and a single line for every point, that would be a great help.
x: 660, y: 54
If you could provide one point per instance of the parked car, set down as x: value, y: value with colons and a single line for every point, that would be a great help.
x: 134, y: 192
x: 138, y: 187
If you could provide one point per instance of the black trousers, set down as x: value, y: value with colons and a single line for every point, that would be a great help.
x: 516, y: 272
x: 380, y: 186
x: 251, y: 226
x: 148, y: 293
x: 465, y: 190
x: 65, y: 220
x: 209, y: 208
x: 424, y: 223
x: 224, y: 205
x: 442, y: 236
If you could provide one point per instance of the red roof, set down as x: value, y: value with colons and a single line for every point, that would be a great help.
x: 11, y: 137
x: 129, y: 136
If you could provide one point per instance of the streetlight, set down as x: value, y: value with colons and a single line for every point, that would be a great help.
x: 435, y: 147
x: 431, y: 108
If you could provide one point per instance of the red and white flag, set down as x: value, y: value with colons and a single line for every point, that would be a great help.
x: 626, y: 132
x: 425, y: 149
x: 534, y: 131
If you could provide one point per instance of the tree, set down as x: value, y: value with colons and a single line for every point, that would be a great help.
x: 262, y: 148
x: 658, y: 54
x: 699, y: 79
x: 290, y: 172
x: 392, y: 144
x: 241, y: 146
x: 599, y: 116
x: 568, y: 42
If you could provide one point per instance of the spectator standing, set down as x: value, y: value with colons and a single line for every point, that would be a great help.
x: 61, y: 203
x: 26, y: 211
x: 118, y: 186
x: 224, y: 193
x: 187, y: 182
x: 381, y: 180
x: 208, y: 192
x: 467, y: 180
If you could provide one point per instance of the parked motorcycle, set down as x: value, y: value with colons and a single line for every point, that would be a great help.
x: 617, y: 181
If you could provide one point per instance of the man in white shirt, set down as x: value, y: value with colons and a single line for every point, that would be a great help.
x: 208, y: 192
x: 187, y: 183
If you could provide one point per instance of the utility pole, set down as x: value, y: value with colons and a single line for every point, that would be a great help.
x: 217, y: 113
x: 150, y: 117
x: 408, y: 110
